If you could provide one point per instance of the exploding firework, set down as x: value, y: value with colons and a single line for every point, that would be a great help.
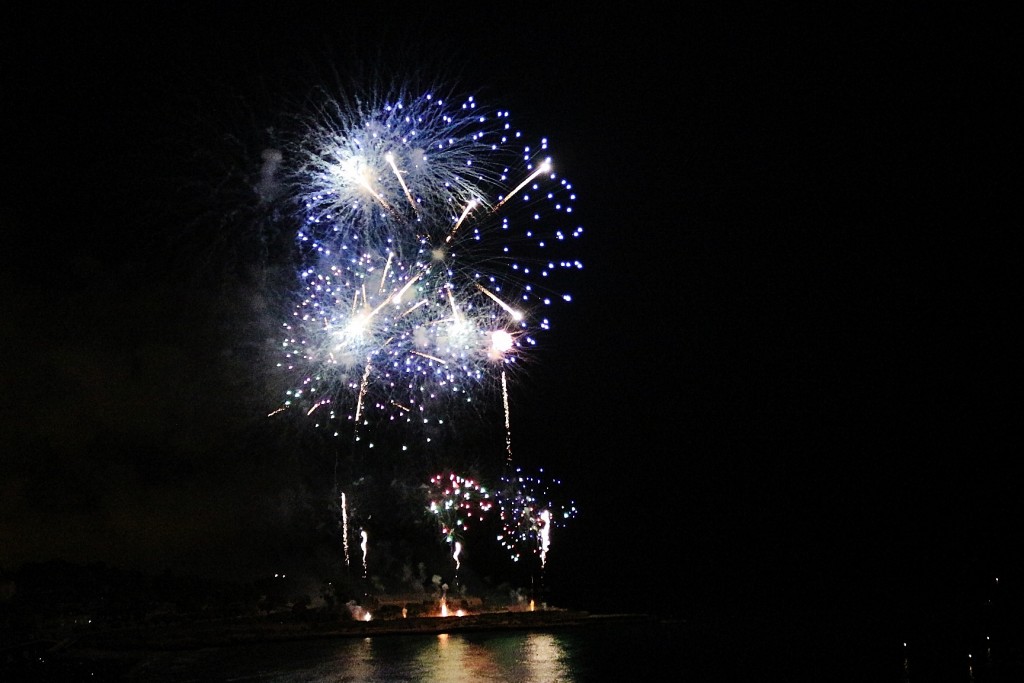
x: 434, y: 238
x: 456, y: 502
x: 530, y: 507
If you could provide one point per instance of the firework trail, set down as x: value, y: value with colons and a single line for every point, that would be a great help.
x: 544, y: 531
x: 529, y: 506
x: 344, y: 527
x: 363, y: 544
x: 434, y: 237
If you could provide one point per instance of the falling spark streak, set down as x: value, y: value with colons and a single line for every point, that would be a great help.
x: 516, y: 315
x: 545, y: 536
x: 317, y: 405
x: 344, y: 527
x: 384, y: 275
x: 275, y: 412
x: 396, y: 298
x: 391, y: 161
x: 543, y: 168
x: 402, y: 291
x: 429, y: 357
x: 412, y: 308
x: 508, y: 429
x: 455, y: 555
x: 465, y: 212
x: 362, y: 391
x: 455, y: 309
x: 362, y: 546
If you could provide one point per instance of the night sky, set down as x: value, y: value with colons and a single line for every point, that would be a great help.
x: 789, y: 372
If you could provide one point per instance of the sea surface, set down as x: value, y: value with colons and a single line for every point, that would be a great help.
x: 632, y: 650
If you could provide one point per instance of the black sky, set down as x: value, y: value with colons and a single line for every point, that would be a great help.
x: 790, y: 368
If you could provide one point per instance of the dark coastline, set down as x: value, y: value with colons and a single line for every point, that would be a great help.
x: 112, y: 653
x: 228, y: 632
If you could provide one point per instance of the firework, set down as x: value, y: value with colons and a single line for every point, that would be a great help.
x: 456, y: 502
x: 433, y: 237
x: 530, y: 507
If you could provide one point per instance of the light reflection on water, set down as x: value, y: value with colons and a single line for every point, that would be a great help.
x: 630, y: 651
x: 524, y: 657
x: 519, y: 657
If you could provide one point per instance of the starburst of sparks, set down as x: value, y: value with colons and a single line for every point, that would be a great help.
x: 530, y: 506
x: 456, y: 502
x: 434, y: 238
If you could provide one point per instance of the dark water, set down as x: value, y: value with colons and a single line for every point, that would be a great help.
x: 602, y: 652
x: 576, y: 654
x: 647, y: 650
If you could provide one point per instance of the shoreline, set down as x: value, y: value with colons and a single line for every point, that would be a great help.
x: 121, y: 654
x: 237, y: 632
